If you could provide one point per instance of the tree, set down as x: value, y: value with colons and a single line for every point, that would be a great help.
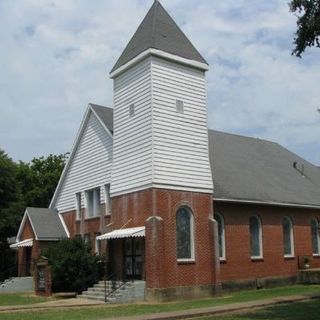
x: 308, y: 24
x: 73, y: 267
x: 22, y: 185
x: 38, y: 179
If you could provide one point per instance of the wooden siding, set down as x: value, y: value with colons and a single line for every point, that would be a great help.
x: 180, y: 140
x: 132, y: 150
x: 90, y: 167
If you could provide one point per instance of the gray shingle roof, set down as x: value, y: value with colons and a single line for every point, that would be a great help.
x: 105, y: 114
x: 46, y: 223
x: 258, y: 170
x: 255, y: 170
x: 159, y: 31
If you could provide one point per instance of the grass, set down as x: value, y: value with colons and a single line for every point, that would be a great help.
x: 13, y: 299
x: 107, y: 311
x: 308, y: 310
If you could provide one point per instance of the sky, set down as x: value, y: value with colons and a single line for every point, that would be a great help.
x: 56, y: 55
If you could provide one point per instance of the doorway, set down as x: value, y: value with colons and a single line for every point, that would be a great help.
x: 134, y: 258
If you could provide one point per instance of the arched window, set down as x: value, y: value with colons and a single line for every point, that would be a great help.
x: 221, y: 236
x: 315, y: 236
x: 185, y: 234
x: 288, y: 244
x: 255, y: 237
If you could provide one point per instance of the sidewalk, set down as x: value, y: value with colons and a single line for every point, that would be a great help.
x: 183, y: 314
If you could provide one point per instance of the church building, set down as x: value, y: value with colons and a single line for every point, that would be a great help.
x: 188, y: 210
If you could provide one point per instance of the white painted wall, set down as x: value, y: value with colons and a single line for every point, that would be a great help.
x: 132, y: 149
x: 180, y: 140
x: 89, y: 168
x: 160, y: 147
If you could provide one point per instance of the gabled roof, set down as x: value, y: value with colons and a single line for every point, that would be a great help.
x: 46, y: 224
x: 253, y: 170
x: 159, y: 31
x: 103, y: 114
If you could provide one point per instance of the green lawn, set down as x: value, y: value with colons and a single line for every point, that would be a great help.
x: 11, y: 299
x: 309, y: 310
x: 106, y: 311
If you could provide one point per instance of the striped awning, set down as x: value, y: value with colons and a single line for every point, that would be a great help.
x: 123, y: 233
x: 24, y: 243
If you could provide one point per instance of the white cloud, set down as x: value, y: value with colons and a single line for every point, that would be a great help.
x: 55, y: 57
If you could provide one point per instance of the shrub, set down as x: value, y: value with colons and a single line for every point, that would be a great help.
x: 73, y: 267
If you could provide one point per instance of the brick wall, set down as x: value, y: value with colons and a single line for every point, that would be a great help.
x: 238, y: 264
x: 162, y: 268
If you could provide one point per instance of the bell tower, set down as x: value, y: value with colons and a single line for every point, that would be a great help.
x: 161, y: 176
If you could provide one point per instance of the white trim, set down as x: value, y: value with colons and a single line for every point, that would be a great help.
x: 64, y: 225
x: 78, y: 206
x: 260, y: 256
x: 223, y: 257
x: 72, y: 154
x: 21, y: 226
x: 162, y: 54
x: 270, y: 203
x: 108, y: 201
x: 291, y: 254
x: 100, y: 121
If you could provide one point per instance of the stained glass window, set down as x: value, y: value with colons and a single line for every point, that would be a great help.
x: 287, y: 236
x: 221, y: 236
x: 315, y: 236
x: 184, y: 225
x: 255, y: 237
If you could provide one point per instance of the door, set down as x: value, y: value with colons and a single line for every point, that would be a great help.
x: 28, y: 251
x: 134, y: 258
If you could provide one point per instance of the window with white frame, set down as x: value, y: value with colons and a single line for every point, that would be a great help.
x: 185, y: 234
x: 221, y: 236
x: 288, y: 243
x: 107, y: 199
x: 78, y: 206
x: 255, y: 237
x: 315, y: 237
x: 93, y: 202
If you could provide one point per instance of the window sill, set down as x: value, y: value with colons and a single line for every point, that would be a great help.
x: 92, y: 218
x: 316, y: 255
x: 223, y: 260
x: 289, y: 257
x: 186, y: 261
x: 256, y: 259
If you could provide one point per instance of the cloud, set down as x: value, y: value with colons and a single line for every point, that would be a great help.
x: 56, y: 55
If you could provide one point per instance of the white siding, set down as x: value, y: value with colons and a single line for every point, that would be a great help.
x: 180, y: 140
x: 90, y: 166
x: 132, y: 151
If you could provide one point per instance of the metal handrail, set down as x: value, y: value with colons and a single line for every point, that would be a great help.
x: 114, y: 288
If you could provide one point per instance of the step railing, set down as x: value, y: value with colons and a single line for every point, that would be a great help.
x: 116, y: 284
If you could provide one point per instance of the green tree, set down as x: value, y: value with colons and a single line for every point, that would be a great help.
x: 308, y: 24
x: 39, y: 178
x: 73, y: 266
x: 9, y: 198
x: 22, y: 185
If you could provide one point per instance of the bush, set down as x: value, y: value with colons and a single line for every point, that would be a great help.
x: 73, y: 267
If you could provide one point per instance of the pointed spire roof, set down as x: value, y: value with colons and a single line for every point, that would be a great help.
x: 159, y: 31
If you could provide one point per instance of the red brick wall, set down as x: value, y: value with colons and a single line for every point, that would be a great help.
x: 134, y: 209
x: 238, y: 264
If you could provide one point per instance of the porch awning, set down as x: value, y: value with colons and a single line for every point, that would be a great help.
x: 123, y: 233
x: 24, y: 243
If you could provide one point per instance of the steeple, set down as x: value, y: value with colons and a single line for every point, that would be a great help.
x: 159, y: 31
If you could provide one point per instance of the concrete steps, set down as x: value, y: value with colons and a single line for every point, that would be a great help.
x: 17, y: 284
x: 119, y: 292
